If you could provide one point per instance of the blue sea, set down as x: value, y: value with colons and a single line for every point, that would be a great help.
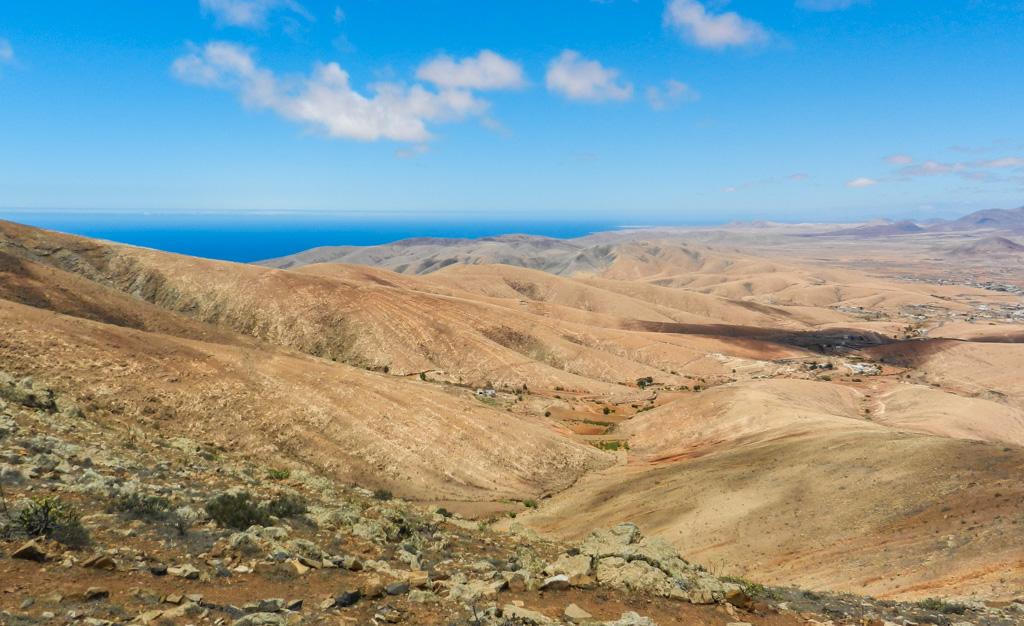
x: 253, y: 236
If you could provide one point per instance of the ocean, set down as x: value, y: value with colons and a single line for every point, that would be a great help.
x: 254, y: 236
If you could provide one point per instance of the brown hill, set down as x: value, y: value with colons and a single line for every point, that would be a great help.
x: 793, y: 424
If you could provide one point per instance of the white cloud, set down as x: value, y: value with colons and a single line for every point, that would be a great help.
x: 673, y: 93
x: 828, y: 5
x: 339, y: 15
x: 249, y: 13
x: 577, y: 78
x: 862, y: 182
x: 487, y: 70
x: 6, y: 51
x: 694, y: 22
x: 931, y: 168
x: 899, y: 159
x: 412, y: 152
x: 798, y: 177
x: 325, y: 100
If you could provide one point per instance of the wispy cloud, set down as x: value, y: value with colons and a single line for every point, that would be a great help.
x: 581, y: 79
x: 412, y: 152
x: 707, y: 30
x: 766, y: 181
x: 325, y: 100
x: 862, y: 182
x: 6, y: 51
x: 249, y: 13
x: 339, y: 15
x: 899, y: 159
x: 487, y: 70
x: 672, y: 93
x: 932, y: 168
x: 828, y: 5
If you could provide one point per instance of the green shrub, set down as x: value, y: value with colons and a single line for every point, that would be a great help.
x: 278, y: 474
x: 287, y: 506
x: 547, y: 413
x: 58, y: 520
x: 236, y: 511
x: 140, y: 507
x: 942, y: 606
x: 382, y: 494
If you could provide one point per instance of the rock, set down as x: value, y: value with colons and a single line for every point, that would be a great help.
x: 30, y: 551
x: 465, y: 594
x: 519, y: 530
x: 100, y: 561
x: 739, y: 600
x: 631, y: 619
x: 149, y: 617
x: 158, y: 570
x: 575, y: 614
x: 582, y: 582
x: 307, y: 549
x: 739, y: 624
x: 389, y: 614
x: 95, y: 593
x: 186, y: 571
x: 27, y: 603
x: 513, y: 612
x: 273, y: 533
x: 245, y: 542
x: 293, y: 605
x: 519, y: 581
x: 555, y: 583
x: 347, y: 598
x: 372, y: 588
x: 52, y: 597
x: 273, y: 605
x: 174, y: 598
x: 701, y: 596
x: 261, y: 619
x: 419, y: 596
x: 529, y: 560
x: 299, y: 568
x: 578, y: 565
x: 351, y: 563
x: 397, y: 589
x: 633, y: 576
x: 419, y: 579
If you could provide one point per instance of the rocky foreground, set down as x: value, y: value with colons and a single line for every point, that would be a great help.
x: 103, y: 523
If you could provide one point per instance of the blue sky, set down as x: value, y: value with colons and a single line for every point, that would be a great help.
x: 637, y: 111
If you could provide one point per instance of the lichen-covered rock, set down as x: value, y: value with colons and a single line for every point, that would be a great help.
x: 579, y: 565
x: 637, y: 576
x: 245, y: 542
x: 307, y: 549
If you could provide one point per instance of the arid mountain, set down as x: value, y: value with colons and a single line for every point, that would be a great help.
x: 777, y: 416
x: 1011, y: 220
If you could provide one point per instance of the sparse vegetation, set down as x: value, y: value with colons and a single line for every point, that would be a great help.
x: 278, y: 474
x: 236, y: 510
x: 942, y: 606
x: 287, y: 506
x: 141, y: 507
x: 382, y: 494
x: 54, y: 518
